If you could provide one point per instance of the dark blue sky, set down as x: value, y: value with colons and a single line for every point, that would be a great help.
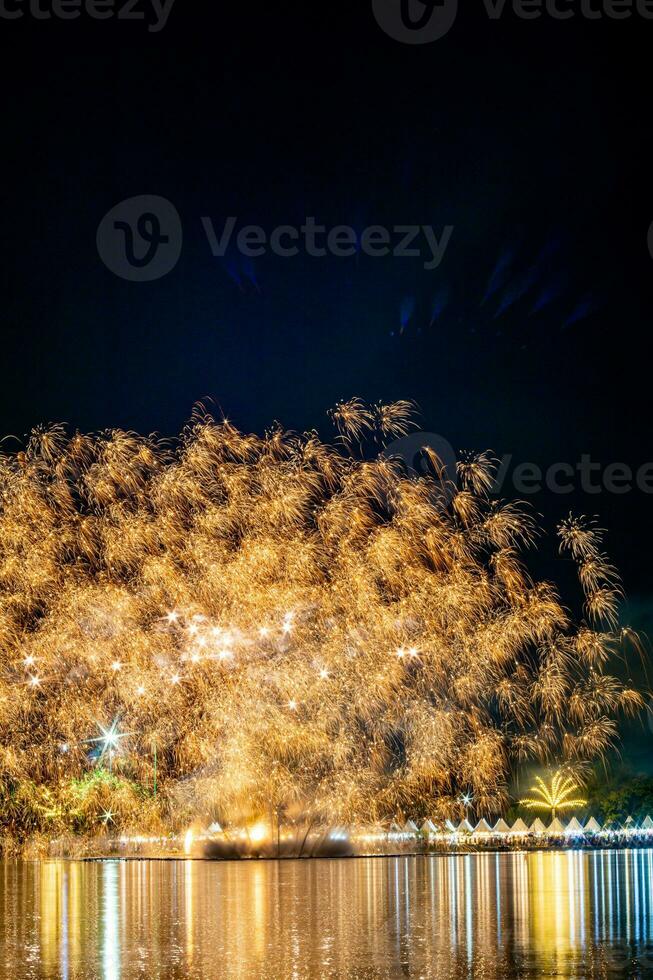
x: 532, y: 139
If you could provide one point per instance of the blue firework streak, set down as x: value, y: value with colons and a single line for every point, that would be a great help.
x: 523, y: 300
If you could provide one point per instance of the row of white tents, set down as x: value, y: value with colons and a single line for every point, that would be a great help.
x: 501, y: 829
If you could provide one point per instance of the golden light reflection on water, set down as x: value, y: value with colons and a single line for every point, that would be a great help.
x: 566, y: 913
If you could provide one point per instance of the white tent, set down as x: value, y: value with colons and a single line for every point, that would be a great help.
x: 501, y: 827
x: 592, y: 826
x: 428, y: 828
x: 555, y: 827
x: 537, y: 827
x: 482, y: 827
x: 519, y: 827
x: 450, y: 827
x: 629, y: 824
x: 465, y: 827
x: 410, y: 827
x: 574, y: 827
x: 395, y: 829
x: 648, y: 824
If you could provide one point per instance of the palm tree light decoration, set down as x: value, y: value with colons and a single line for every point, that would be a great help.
x: 557, y: 796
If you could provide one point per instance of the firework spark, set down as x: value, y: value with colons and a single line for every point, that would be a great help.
x: 281, y: 627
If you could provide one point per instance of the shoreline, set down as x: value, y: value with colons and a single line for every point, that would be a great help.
x: 239, y: 846
x: 202, y: 859
x: 534, y: 847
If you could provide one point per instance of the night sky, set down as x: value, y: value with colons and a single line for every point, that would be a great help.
x: 530, y: 138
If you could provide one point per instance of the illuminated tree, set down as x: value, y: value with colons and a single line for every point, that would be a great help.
x: 557, y: 796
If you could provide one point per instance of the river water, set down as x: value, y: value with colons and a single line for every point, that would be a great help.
x: 564, y: 914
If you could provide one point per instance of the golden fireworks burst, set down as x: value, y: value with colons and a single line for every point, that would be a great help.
x: 260, y: 624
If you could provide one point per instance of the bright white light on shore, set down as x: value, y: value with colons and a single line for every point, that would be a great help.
x: 258, y: 833
x: 188, y: 841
